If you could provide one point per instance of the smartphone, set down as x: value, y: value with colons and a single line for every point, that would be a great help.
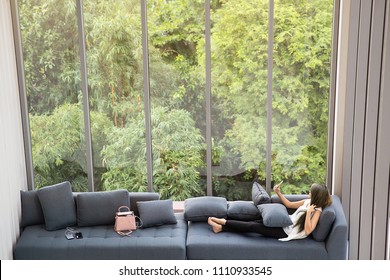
x: 278, y: 184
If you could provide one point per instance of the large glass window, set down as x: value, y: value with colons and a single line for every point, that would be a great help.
x: 239, y: 46
x: 177, y: 91
x: 115, y: 77
x: 177, y: 71
x: 301, y: 81
x: 52, y: 70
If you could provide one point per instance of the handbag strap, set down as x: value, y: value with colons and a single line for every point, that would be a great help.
x: 139, y: 224
x: 123, y: 207
x: 127, y: 233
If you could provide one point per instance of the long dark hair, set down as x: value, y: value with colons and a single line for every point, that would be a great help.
x: 319, y: 197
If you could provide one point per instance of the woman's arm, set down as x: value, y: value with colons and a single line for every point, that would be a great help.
x: 312, y: 217
x: 285, y: 201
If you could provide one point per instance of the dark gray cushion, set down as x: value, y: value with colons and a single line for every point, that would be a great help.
x: 141, y: 196
x: 274, y: 215
x: 325, y: 222
x: 99, y: 208
x: 243, y: 211
x: 259, y: 195
x: 31, y: 209
x: 156, y: 213
x: 199, y: 209
x: 58, y: 206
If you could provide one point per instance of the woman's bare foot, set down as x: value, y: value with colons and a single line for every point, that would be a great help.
x: 215, y: 226
x: 218, y: 221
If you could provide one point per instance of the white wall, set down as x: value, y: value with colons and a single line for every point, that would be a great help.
x: 12, y: 159
x: 362, y: 153
x: 340, y: 100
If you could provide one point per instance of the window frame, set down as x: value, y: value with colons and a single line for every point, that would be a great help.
x: 148, y: 136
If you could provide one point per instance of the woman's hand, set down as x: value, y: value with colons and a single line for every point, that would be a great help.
x: 277, y: 187
x: 311, y: 209
x: 285, y: 201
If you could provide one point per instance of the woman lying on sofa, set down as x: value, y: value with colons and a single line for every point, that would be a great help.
x: 304, y: 219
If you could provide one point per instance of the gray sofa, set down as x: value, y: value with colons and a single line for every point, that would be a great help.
x: 328, y: 242
x: 94, y: 217
x: 165, y: 235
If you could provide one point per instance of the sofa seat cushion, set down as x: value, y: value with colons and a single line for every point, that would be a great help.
x: 204, y: 244
x: 103, y: 243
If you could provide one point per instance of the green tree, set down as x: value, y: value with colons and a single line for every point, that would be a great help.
x: 301, y: 54
x: 300, y: 85
x: 177, y: 153
x: 302, y: 71
x: 58, y: 145
x: 175, y: 30
x: 50, y: 50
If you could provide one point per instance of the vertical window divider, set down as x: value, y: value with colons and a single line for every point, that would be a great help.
x: 84, y: 88
x: 269, y: 94
x: 148, y: 135
x: 22, y: 94
x: 332, y: 94
x: 208, y: 96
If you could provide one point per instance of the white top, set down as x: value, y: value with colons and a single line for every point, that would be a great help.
x: 293, y: 231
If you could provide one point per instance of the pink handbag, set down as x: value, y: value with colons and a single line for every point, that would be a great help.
x: 125, y: 221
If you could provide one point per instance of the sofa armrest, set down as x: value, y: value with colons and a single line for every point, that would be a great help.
x: 337, y: 240
x: 141, y: 196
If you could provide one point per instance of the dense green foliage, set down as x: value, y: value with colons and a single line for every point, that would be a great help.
x: 239, y: 57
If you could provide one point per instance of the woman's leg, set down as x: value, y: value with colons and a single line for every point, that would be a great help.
x: 251, y: 226
x: 215, y: 226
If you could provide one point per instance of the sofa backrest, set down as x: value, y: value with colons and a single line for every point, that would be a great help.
x: 92, y: 208
x: 337, y: 239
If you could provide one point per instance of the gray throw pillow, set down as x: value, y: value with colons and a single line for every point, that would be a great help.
x: 99, y: 208
x: 274, y: 215
x: 58, y: 206
x: 31, y: 209
x: 325, y: 223
x: 259, y: 195
x: 199, y: 209
x: 156, y: 213
x: 141, y: 196
x: 243, y: 211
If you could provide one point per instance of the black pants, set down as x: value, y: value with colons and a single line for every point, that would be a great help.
x: 254, y: 226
